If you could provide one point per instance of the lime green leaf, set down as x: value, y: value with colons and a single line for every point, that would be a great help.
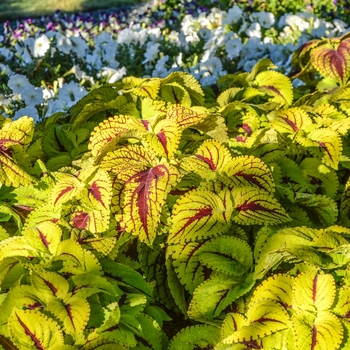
x: 208, y: 160
x: 263, y: 318
x: 66, y: 188
x: 45, y: 236
x: 249, y: 171
x: 333, y: 62
x: 278, y: 288
x: 168, y: 134
x: 95, y: 221
x: 186, y: 117
x: 200, y: 214
x: 226, y: 254
x: 342, y: 308
x: 73, y: 312
x: 30, y: 329
x: 214, y: 126
x: 289, y: 120
x: 255, y: 206
x: 17, y: 246
x: 327, y: 146
x: 196, y: 338
x: 276, y: 85
x: 187, y: 81
x: 232, y: 323
x: 49, y: 285
x: 105, y: 137
x: 317, y: 331
x: 313, y: 292
x: 144, y: 87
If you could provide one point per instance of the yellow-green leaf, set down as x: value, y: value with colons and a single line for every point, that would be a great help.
x: 313, y: 291
x: 30, y: 330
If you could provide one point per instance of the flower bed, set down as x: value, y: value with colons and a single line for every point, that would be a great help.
x: 67, y: 55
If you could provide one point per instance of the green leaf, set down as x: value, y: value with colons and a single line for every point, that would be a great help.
x: 229, y: 255
x: 196, y: 338
x: 30, y: 329
x: 255, y: 206
x: 322, y: 210
x: 313, y: 292
x: 317, y: 331
x: 190, y: 271
x: 151, y: 335
x: 320, y: 176
x: 126, y: 276
x: 212, y: 296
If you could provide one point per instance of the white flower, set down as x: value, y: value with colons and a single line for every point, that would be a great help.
x: 174, y: 37
x: 151, y: 52
x: 94, y: 60
x: 126, y: 36
x: 48, y: 93
x: 72, y: 92
x: 4, y: 69
x: 340, y: 25
x: 297, y: 22
x: 4, y: 101
x: 254, y: 30
x: 265, y: 19
x: 160, y: 70
x: 113, y: 75
x: 64, y: 44
x: 80, y: 74
x: 233, y: 47
x: 212, y: 65
x: 54, y: 106
x: 233, y: 15
x: 41, y: 45
x: 7, y: 53
x: 208, y: 80
x: 80, y: 46
x: 19, y: 83
x: 32, y: 96
x: 29, y: 111
x: 249, y: 65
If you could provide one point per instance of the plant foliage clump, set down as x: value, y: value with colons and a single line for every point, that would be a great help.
x: 155, y: 214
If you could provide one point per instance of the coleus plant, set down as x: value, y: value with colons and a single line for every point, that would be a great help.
x: 149, y: 203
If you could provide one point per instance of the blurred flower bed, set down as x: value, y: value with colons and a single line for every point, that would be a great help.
x: 49, y: 63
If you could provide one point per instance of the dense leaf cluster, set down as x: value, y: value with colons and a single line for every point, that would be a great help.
x: 154, y: 204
